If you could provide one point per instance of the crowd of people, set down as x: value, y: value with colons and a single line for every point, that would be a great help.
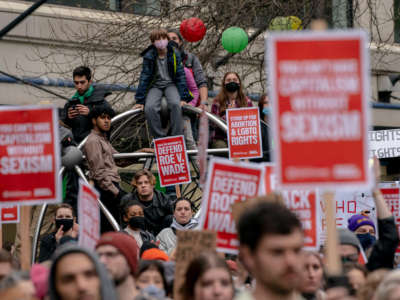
x: 138, y: 262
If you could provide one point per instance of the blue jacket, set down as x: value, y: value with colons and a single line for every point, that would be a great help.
x: 149, y: 68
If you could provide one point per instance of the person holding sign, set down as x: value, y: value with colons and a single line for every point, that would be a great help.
x: 183, y: 220
x: 231, y: 95
x: 66, y: 229
x: 103, y: 170
x: 158, y: 208
x: 271, y: 240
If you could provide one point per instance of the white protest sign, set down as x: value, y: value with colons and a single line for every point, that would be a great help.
x: 384, y: 143
x: 347, y: 204
x: 89, y: 215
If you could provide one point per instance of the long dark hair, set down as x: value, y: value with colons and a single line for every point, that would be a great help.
x: 197, y: 268
x: 145, y: 265
x: 261, y: 105
x: 223, y: 98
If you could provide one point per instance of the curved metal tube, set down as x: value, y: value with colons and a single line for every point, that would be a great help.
x: 39, y: 224
x: 105, y: 211
x: 146, y: 154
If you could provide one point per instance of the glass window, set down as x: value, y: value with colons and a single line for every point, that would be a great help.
x: 92, y: 4
x: 396, y: 19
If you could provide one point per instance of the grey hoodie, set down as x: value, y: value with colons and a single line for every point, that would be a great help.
x: 107, y: 288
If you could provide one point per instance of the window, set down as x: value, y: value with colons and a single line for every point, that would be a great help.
x: 140, y: 7
x: 92, y: 4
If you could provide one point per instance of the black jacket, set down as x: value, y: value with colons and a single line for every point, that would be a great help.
x: 158, y: 215
x: 48, y: 245
x: 81, y: 125
x: 383, y: 251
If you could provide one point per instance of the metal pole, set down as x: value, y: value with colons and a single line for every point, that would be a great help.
x: 21, y: 17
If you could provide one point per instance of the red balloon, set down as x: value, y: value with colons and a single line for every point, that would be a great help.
x: 193, y: 29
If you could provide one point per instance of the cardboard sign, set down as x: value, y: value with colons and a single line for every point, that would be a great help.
x: 172, y: 160
x: 391, y: 193
x: 9, y: 214
x: 29, y: 155
x: 227, y: 182
x: 304, y: 203
x: 384, y: 143
x: 190, y: 244
x: 89, y: 215
x: 244, y: 132
x: 320, y: 99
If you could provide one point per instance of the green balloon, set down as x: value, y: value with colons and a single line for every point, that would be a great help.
x: 234, y: 39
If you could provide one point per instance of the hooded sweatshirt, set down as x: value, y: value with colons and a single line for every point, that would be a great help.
x: 167, y: 236
x: 107, y: 291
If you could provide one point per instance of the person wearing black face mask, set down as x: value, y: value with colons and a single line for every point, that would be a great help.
x: 66, y: 230
x: 133, y: 215
x: 230, y: 96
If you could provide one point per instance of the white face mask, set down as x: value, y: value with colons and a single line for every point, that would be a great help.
x: 161, y: 44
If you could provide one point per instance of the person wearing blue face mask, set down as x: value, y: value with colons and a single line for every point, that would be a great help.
x: 66, y: 229
x: 380, y: 252
x: 364, y: 228
x: 263, y: 107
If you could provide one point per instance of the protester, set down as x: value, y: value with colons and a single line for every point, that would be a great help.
x: 311, y: 286
x: 77, y: 273
x: 271, y: 240
x: 17, y: 286
x: 230, y: 96
x: 154, y: 254
x: 103, y: 170
x: 389, y: 288
x: 158, y: 208
x: 133, y: 215
x: 263, y: 107
x: 150, y: 279
x: 39, y: 276
x: 357, y: 275
x: 367, y: 291
x: 162, y: 74
x: 193, y: 69
x: 380, y: 253
x: 183, y: 220
x: 191, y: 62
x: 119, y: 253
x: 77, y: 109
x: 207, y: 278
x: 7, y: 264
x: 66, y: 227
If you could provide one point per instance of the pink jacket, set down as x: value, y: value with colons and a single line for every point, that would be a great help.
x: 191, y: 85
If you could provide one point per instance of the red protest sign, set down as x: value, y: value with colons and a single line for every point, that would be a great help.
x: 9, y: 214
x: 29, y: 155
x: 391, y: 194
x: 244, y: 132
x: 89, y: 215
x: 320, y: 100
x: 172, y: 160
x: 304, y: 203
x: 227, y: 182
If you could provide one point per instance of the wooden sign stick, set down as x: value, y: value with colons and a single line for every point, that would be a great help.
x: 25, y: 238
x: 334, y: 265
x: 177, y: 191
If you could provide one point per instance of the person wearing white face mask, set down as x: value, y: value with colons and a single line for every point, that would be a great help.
x: 162, y: 74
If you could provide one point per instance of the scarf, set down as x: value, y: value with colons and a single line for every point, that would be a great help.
x: 87, y: 94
